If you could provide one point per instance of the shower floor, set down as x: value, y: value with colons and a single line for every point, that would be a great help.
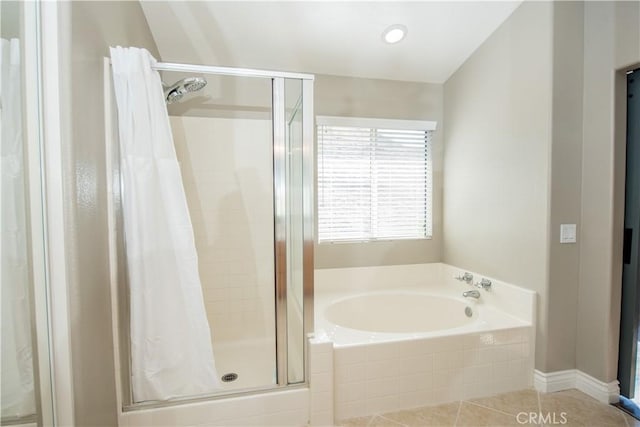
x: 254, y: 361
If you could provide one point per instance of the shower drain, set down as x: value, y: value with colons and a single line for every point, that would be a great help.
x: 227, y: 378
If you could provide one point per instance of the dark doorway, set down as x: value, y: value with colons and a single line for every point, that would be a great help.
x: 628, y: 364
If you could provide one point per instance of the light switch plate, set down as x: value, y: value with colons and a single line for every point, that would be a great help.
x: 567, y: 233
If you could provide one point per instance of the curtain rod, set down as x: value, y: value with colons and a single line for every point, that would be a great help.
x: 228, y: 71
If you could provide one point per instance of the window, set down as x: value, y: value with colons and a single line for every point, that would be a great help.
x: 374, y: 179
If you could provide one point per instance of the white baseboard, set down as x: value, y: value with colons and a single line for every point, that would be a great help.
x: 604, y: 392
x: 554, y: 381
x: 573, y: 378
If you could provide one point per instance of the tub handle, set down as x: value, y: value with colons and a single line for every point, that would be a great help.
x: 484, y: 284
x: 466, y: 277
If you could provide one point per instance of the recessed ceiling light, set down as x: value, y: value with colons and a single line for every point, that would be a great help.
x: 394, y: 33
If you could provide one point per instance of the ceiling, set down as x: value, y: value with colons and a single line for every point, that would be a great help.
x: 321, y: 37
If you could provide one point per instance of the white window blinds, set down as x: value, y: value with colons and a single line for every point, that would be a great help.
x: 374, y: 183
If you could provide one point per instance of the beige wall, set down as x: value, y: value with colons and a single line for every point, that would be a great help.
x: 565, y: 186
x: 496, y: 159
x: 10, y: 19
x: 87, y: 30
x: 576, y: 174
x: 612, y: 42
x: 227, y: 172
x: 358, y: 97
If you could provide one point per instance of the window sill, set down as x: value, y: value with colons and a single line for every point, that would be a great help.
x: 342, y: 242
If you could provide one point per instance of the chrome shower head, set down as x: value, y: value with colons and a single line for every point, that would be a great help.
x: 174, y: 95
x: 194, y: 84
x: 176, y: 91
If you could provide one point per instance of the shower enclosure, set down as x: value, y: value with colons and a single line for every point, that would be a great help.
x: 244, y: 144
x: 26, y: 380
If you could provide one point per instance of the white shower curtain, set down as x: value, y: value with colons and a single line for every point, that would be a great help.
x: 171, y: 350
x: 16, y: 352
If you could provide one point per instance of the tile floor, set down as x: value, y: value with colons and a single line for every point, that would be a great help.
x: 502, y: 410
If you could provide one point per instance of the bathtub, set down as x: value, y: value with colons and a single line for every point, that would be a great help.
x: 399, y: 312
x: 404, y: 336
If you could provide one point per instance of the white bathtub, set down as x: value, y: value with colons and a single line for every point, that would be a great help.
x: 399, y: 312
x: 401, y: 337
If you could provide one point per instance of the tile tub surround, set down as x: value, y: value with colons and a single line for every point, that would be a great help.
x: 376, y: 373
x: 503, y: 410
x: 384, y: 377
x: 320, y: 382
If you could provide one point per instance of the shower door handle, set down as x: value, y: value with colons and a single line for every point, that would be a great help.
x: 626, y: 248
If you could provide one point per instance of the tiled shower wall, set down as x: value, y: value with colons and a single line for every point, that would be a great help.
x: 227, y: 173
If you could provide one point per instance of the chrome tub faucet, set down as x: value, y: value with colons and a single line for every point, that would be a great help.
x: 471, y: 294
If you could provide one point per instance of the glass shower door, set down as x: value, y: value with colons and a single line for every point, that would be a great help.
x: 26, y: 396
x: 223, y: 137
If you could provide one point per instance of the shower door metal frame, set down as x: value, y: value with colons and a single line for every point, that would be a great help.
x: 280, y: 226
x: 280, y: 153
x: 308, y: 209
x: 280, y: 237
